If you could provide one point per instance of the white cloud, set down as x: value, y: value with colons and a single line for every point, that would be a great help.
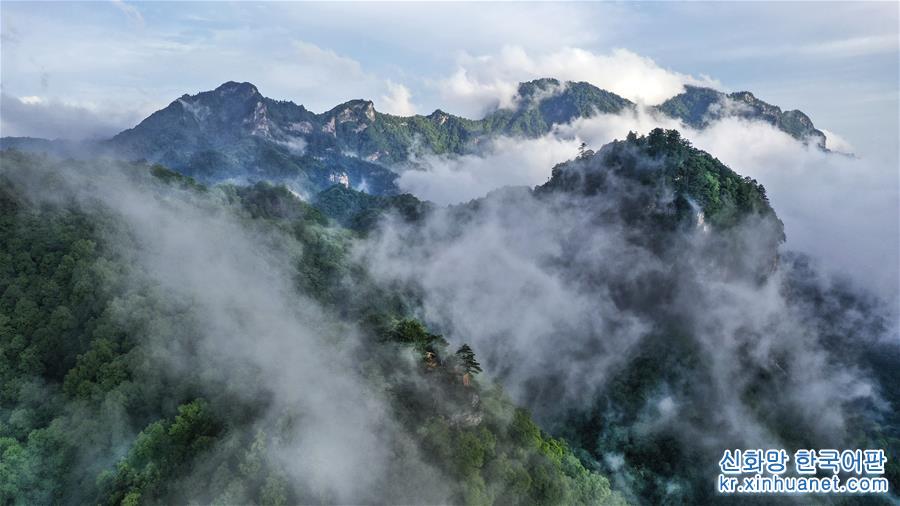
x: 34, y: 116
x: 509, y: 161
x: 841, y: 210
x: 326, y: 59
x: 316, y: 77
x: 467, y: 94
x: 557, y: 296
x: 504, y: 161
x: 837, y: 143
x: 397, y: 100
x: 482, y: 82
x: 251, y: 327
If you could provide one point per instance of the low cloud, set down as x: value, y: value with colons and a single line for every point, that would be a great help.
x: 837, y: 143
x: 504, y: 161
x: 36, y: 116
x: 326, y: 60
x: 842, y: 210
x: 245, y: 333
x: 566, y: 300
x: 487, y: 81
x: 397, y: 100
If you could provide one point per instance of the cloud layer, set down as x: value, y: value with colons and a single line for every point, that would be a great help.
x: 34, y: 116
x: 842, y: 210
x: 483, y: 82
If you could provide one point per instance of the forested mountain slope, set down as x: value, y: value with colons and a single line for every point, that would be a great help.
x: 164, y: 341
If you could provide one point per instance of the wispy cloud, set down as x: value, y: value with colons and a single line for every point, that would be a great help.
x: 131, y: 12
x: 848, y: 47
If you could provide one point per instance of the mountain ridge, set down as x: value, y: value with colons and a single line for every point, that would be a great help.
x: 699, y: 106
x: 234, y: 133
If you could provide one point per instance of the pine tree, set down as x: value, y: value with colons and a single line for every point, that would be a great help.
x: 470, y: 365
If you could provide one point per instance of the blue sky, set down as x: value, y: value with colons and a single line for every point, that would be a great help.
x: 106, y: 65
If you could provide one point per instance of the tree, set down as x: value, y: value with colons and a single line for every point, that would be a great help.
x: 470, y: 365
x: 583, y: 151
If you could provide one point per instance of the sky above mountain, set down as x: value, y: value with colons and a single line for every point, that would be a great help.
x: 107, y: 65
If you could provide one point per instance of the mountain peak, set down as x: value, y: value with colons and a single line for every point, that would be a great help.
x: 355, y: 110
x: 236, y: 87
x: 538, y: 89
x: 746, y: 96
x: 543, y: 83
x: 358, y: 103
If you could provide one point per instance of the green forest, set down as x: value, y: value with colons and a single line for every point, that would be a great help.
x: 89, y: 412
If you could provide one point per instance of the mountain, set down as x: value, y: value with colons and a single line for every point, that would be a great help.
x: 234, y: 133
x: 164, y: 341
x: 698, y: 107
x: 698, y: 181
x: 542, y: 103
x: 640, y: 303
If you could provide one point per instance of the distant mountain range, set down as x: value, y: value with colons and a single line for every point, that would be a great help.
x: 235, y: 133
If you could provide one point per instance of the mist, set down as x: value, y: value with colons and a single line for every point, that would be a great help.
x: 34, y: 116
x: 247, y: 334
x: 839, y: 209
x: 566, y: 295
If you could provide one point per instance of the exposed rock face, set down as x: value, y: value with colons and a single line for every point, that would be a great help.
x: 233, y: 132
